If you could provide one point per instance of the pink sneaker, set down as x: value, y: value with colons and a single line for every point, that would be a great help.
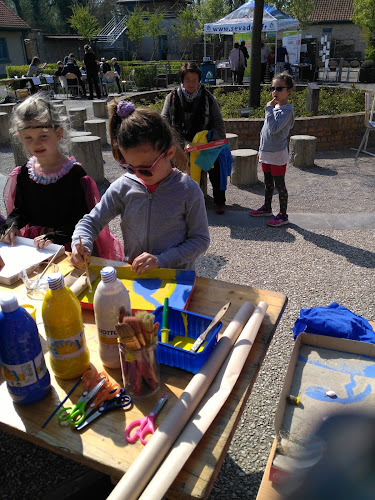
x: 260, y: 212
x: 278, y: 220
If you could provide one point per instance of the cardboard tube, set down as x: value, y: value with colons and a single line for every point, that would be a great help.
x: 143, y: 468
x: 207, y: 409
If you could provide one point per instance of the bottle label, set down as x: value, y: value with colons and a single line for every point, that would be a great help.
x: 67, y: 348
x: 107, y: 336
x: 25, y: 374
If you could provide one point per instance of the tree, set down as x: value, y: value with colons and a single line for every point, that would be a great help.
x: 364, y: 17
x: 136, y: 28
x: 254, y: 97
x: 186, y: 27
x: 300, y: 9
x: 83, y: 22
x: 154, y: 27
x: 209, y: 11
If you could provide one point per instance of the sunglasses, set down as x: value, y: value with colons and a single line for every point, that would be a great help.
x: 146, y: 171
x: 278, y: 89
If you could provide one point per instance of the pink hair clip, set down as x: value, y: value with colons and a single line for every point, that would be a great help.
x: 125, y: 108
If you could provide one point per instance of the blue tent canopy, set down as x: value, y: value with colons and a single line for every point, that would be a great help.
x: 241, y: 21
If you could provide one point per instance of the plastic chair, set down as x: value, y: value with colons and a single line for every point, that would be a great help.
x: 130, y: 81
x: 108, y: 79
x: 70, y: 82
x: 370, y: 127
x: 333, y: 69
x: 354, y: 68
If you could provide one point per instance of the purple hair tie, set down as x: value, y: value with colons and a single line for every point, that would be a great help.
x: 125, y: 108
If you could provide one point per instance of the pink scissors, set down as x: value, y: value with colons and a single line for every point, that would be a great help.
x: 144, y: 425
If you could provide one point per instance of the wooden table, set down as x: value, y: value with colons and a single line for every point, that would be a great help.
x: 102, y: 445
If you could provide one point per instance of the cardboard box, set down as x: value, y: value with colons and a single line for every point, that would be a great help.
x: 319, y: 364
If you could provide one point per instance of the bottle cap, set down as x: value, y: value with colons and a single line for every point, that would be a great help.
x: 108, y: 274
x: 8, y: 302
x: 55, y: 281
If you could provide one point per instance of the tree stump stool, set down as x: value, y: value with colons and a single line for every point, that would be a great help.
x: 19, y: 152
x: 57, y: 101
x: 302, y: 150
x: 233, y: 141
x: 60, y: 108
x: 7, y: 107
x: 88, y: 151
x: 77, y: 117
x: 97, y: 127
x: 244, y: 167
x: 4, y: 128
x: 100, y: 108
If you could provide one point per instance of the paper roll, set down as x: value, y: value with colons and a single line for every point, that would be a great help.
x: 143, y: 468
x: 207, y: 409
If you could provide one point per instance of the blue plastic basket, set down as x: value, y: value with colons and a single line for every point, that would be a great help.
x: 196, y: 324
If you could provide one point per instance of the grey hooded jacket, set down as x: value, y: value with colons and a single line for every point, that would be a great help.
x: 170, y: 223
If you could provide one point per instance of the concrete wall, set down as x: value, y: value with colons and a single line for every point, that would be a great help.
x: 16, y: 49
x: 342, y: 31
x: 332, y: 132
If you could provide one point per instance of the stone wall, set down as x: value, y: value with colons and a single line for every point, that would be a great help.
x: 332, y: 132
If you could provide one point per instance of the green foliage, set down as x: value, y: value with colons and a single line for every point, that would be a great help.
x: 209, y: 11
x: 136, y: 28
x: 364, y: 17
x: 154, y: 27
x: 185, y: 28
x: 83, y: 22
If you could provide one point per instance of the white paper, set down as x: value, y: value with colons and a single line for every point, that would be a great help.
x: 24, y: 255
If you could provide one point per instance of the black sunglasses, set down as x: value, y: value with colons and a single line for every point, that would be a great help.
x: 146, y: 171
x: 278, y: 89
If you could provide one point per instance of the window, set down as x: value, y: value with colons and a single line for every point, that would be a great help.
x: 3, y: 50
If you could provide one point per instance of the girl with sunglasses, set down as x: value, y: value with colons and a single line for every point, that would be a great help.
x: 163, y: 215
x: 273, y: 149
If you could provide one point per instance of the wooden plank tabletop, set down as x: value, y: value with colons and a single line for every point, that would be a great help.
x: 102, y: 445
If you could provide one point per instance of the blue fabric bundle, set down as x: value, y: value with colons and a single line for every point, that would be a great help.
x: 334, y: 321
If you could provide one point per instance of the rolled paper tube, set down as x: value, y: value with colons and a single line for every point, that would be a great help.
x: 143, y: 468
x: 207, y: 410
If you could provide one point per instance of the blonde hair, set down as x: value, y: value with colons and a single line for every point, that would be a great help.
x: 36, y: 111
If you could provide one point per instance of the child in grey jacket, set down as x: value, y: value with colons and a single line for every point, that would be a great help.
x: 163, y: 215
x: 273, y: 149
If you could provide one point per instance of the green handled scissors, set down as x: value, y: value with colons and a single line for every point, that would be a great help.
x: 77, y: 413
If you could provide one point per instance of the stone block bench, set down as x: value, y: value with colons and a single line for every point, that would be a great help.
x: 244, y: 167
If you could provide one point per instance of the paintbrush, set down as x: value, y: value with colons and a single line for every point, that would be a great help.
x: 37, y: 281
x: 7, y: 231
x: 86, y: 265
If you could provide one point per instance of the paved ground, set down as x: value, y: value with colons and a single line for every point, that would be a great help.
x: 326, y: 254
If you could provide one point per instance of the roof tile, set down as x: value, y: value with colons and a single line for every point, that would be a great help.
x: 332, y: 10
x: 9, y: 19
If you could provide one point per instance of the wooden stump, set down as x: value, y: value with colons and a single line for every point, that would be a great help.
x: 77, y: 117
x: 97, y: 127
x: 4, y: 128
x: 244, y: 167
x: 79, y: 133
x: 88, y: 151
x: 302, y: 150
x: 233, y: 141
x: 60, y: 108
x: 7, y: 108
x: 100, y: 108
x: 57, y: 101
x: 19, y: 153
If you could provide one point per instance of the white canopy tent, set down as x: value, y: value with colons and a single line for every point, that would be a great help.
x: 241, y: 21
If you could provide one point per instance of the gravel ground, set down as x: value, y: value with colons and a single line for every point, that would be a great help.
x: 312, y: 267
